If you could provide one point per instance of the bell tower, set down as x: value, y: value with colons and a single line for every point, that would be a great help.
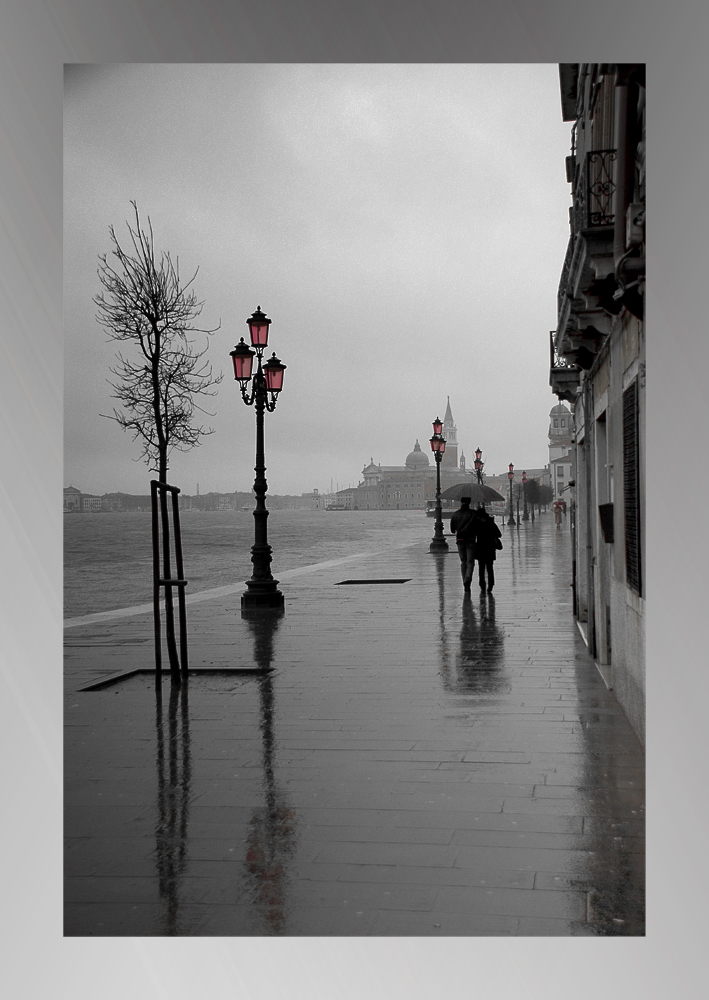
x: 450, y: 433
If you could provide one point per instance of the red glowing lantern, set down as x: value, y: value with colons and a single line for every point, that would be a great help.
x: 242, y: 356
x: 273, y: 371
x: 511, y: 473
x: 438, y: 444
x: 258, y: 328
x: 437, y: 427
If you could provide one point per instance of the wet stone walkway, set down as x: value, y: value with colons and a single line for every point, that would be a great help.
x: 395, y: 759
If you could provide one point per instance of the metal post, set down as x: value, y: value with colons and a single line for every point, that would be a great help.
x: 511, y: 519
x: 262, y: 590
x: 181, y: 588
x: 438, y: 542
x: 156, y: 583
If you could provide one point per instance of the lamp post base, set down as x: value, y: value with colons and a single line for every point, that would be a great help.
x: 262, y: 594
x: 438, y: 545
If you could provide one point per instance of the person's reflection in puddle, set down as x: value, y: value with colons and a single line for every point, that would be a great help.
x: 173, y: 778
x: 478, y: 663
x: 271, y: 839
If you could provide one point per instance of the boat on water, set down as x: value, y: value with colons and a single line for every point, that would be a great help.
x: 448, y: 508
x: 336, y: 506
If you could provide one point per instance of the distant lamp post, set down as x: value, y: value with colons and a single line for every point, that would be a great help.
x: 438, y: 447
x: 525, y: 515
x: 262, y: 590
x: 510, y: 476
x: 479, y: 465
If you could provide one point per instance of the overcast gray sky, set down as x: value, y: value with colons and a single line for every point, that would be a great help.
x: 403, y: 226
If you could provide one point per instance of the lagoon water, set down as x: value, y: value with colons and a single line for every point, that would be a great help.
x: 108, y: 557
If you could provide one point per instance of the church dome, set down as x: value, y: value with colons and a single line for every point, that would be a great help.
x: 416, y: 458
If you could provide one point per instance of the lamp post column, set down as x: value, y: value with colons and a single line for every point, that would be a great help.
x: 525, y: 515
x: 438, y: 447
x: 438, y: 542
x: 262, y: 588
x: 510, y: 477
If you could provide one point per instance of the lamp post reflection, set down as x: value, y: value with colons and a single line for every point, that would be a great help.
x: 174, y: 770
x: 271, y: 839
x: 444, y: 655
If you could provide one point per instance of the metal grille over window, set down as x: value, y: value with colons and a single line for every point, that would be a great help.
x: 631, y: 483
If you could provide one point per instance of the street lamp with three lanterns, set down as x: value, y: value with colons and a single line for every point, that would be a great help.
x: 479, y: 465
x: 262, y: 590
x: 438, y: 447
x: 510, y: 476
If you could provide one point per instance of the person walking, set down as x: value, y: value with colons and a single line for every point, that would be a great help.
x: 487, y: 541
x: 462, y: 523
x: 557, y: 515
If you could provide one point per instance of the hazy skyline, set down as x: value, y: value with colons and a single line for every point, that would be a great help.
x: 403, y: 226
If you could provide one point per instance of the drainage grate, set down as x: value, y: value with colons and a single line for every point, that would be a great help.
x: 347, y: 583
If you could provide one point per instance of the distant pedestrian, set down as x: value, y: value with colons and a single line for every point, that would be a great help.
x: 487, y: 541
x: 557, y: 515
x: 463, y: 524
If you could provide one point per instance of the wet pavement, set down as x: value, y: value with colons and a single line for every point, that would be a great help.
x: 384, y: 759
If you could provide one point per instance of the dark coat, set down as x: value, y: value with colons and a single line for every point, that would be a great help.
x: 463, y: 524
x: 486, y: 534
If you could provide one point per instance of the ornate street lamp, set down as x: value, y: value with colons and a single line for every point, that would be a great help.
x: 525, y: 515
x: 438, y: 447
x: 262, y: 590
x: 510, y: 476
x: 479, y: 465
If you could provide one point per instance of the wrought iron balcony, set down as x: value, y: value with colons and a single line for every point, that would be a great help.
x: 593, y: 204
x: 583, y: 295
x: 564, y: 377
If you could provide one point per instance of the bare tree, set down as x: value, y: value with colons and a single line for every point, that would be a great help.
x: 144, y: 302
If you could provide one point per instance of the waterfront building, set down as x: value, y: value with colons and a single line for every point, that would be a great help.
x: 597, y: 364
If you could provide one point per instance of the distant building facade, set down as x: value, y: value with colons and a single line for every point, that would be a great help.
x: 561, y: 453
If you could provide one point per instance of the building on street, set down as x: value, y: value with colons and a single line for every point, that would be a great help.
x: 597, y: 364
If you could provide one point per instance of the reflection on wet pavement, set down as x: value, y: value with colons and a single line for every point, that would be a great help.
x: 408, y: 760
x: 271, y: 839
x: 173, y: 783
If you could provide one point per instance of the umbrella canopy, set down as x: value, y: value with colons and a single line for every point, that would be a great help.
x: 477, y: 493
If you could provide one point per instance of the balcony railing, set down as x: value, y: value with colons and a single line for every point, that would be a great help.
x: 592, y: 210
x: 558, y: 362
x: 564, y: 377
x: 593, y: 205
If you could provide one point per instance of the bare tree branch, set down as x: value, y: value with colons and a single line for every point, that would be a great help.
x: 144, y: 302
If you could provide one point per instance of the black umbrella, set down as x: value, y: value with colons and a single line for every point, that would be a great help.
x: 477, y: 493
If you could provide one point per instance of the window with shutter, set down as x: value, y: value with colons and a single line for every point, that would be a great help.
x: 631, y: 483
